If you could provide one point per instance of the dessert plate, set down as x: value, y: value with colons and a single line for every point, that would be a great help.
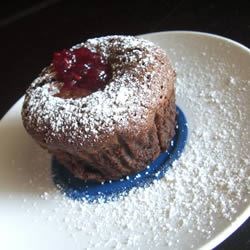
x: 202, y: 199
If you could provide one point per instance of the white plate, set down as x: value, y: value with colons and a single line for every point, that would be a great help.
x: 200, y: 202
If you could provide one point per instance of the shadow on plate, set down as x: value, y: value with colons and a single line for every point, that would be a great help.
x: 24, y: 166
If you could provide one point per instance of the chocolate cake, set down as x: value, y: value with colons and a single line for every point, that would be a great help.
x: 111, y: 119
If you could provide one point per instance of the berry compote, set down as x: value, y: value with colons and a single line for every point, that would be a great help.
x: 81, y: 71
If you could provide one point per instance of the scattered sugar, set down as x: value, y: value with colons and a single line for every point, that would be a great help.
x: 232, y: 80
x: 206, y: 183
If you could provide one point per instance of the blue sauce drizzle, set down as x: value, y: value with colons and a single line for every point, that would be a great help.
x: 77, y: 189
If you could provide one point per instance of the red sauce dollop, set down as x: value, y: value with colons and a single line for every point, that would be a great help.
x: 81, y: 71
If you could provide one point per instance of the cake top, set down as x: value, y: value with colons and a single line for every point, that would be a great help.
x: 140, y: 73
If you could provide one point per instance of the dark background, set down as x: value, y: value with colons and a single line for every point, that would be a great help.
x: 30, y: 31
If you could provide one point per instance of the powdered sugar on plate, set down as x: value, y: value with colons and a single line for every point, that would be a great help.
x: 207, y: 183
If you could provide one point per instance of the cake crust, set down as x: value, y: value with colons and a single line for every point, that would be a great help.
x: 112, y: 132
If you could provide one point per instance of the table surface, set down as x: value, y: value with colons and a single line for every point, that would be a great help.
x: 32, y: 31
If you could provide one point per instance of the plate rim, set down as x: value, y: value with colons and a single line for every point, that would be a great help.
x: 199, y: 33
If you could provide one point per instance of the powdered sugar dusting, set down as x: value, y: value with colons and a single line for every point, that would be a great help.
x: 208, y: 183
x: 207, y: 188
x: 134, y: 87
